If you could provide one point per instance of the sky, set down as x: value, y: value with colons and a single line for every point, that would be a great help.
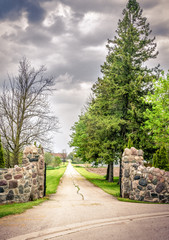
x: 69, y: 38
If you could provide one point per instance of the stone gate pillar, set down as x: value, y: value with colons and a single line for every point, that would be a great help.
x: 129, y: 157
x: 33, y: 158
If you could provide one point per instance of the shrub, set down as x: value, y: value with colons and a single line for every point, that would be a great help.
x: 160, y: 159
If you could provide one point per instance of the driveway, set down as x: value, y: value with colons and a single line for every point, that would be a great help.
x: 79, y: 210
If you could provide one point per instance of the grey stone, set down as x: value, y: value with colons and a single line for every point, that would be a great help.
x: 21, y: 189
x: 149, y: 187
x: 27, y: 190
x: 154, y: 195
x: 2, y: 198
x: 10, y: 195
x: 141, y: 198
x: 135, y: 166
x: 140, y: 153
x: 1, y: 190
x: 161, y: 197
x: 155, y: 181
x: 126, y: 173
x: 139, y: 187
x: 143, y: 182
x: 26, y: 185
x: 147, y: 195
x: 160, y: 187
x: 137, y: 177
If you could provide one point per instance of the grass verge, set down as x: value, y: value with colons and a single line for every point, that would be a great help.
x: 52, y: 181
x: 99, y: 181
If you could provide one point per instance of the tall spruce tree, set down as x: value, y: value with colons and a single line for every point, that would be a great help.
x: 116, y: 112
x: 126, y: 79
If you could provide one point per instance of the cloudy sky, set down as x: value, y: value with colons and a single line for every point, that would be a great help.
x: 69, y: 38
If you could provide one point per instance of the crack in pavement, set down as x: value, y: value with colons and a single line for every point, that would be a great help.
x: 77, y: 186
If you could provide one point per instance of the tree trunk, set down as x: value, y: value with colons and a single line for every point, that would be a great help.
x: 15, y: 157
x: 7, y: 159
x: 120, y: 176
x: 107, y: 176
x: 110, y: 177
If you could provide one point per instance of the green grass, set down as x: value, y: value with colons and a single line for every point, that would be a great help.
x: 16, y: 208
x: 99, y: 181
x: 52, y: 178
x: 52, y: 181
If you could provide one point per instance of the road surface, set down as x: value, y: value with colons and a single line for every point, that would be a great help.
x: 82, y: 211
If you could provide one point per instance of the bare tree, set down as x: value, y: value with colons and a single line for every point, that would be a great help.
x: 25, y: 114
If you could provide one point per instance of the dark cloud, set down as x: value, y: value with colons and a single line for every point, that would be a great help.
x: 97, y: 5
x: 12, y: 9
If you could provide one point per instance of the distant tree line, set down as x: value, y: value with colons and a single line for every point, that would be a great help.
x: 129, y: 102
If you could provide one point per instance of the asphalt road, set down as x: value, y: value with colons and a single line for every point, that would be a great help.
x: 82, y: 211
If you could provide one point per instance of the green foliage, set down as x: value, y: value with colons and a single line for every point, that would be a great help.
x: 2, y: 162
x: 158, y: 116
x: 115, y: 113
x: 160, y: 159
x: 56, y: 161
x: 48, y: 158
x: 130, y: 143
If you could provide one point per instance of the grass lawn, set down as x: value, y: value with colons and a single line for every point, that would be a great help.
x: 53, y: 177
x: 52, y: 181
x: 99, y: 181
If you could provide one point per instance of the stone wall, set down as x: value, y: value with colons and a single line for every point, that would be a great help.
x: 143, y: 183
x: 22, y: 184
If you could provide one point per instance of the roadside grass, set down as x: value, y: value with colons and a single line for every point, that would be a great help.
x: 52, y: 181
x: 100, y: 181
x: 53, y: 177
x: 16, y: 208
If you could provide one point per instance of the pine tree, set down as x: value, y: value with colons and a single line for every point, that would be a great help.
x: 116, y: 112
x: 2, y: 163
x: 125, y: 80
x: 160, y: 159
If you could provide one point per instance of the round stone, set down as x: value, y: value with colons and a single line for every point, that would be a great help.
x: 160, y: 187
x: 143, y: 182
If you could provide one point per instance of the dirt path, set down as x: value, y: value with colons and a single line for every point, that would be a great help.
x: 78, y: 207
